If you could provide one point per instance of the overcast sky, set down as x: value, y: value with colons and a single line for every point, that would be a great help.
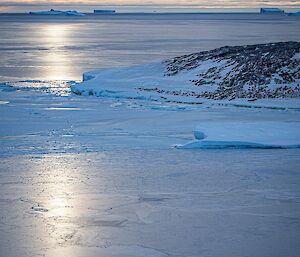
x: 26, y: 5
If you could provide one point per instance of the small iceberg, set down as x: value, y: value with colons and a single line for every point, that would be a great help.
x: 58, y: 12
x: 241, y: 135
x: 271, y: 10
x: 294, y: 14
x: 104, y: 11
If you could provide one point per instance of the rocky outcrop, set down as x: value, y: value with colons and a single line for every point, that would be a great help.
x: 252, y: 71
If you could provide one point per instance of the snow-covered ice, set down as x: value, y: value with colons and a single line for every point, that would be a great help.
x: 97, y: 174
x: 58, y: 12
x: 263, y: 134
x: 89, y: 176
x: 131, y: 162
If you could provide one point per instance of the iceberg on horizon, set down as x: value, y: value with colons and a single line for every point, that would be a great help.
x: 271, y: 10
x: 294, y: 14
x: 58, y: 12
x: 104, y: 11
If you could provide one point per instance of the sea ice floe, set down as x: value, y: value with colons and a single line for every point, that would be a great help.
x: 263, y: 134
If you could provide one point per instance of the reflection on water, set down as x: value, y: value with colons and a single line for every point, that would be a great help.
x: 56, y: 33
x: 63, y: 48
x: 55, y: 36
x: 58, y: 181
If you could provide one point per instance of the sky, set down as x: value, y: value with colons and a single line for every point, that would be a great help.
x: 148, y: 5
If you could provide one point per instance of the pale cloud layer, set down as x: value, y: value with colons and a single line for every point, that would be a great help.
x: 25, y: 4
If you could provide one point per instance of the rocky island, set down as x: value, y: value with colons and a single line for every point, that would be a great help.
x: 249, y: 72
x: 252, y: 71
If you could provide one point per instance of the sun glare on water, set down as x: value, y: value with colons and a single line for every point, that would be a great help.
x: 55, y: 37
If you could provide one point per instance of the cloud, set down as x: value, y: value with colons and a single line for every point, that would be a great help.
x: 4, y: 5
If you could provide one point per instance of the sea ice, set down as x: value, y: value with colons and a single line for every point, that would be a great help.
x: 259, y: 134
x: 103, y: 180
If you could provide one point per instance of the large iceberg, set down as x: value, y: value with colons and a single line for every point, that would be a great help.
x: 58, y: 12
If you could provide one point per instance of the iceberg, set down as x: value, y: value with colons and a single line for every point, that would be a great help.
x: 74, y: 13
x: 104, y: 11
x: 272, y: 10
x: 294, y: 14
x: 240, y: 135
x: 58, y: 12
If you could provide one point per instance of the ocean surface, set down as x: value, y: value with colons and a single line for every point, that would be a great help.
x: 62, y: 48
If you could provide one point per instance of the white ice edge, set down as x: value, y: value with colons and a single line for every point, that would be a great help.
x: 207, y: 144
x: 124, y: 83
x: 239, y: 135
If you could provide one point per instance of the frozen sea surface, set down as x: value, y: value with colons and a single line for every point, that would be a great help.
x: 83, y: 176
